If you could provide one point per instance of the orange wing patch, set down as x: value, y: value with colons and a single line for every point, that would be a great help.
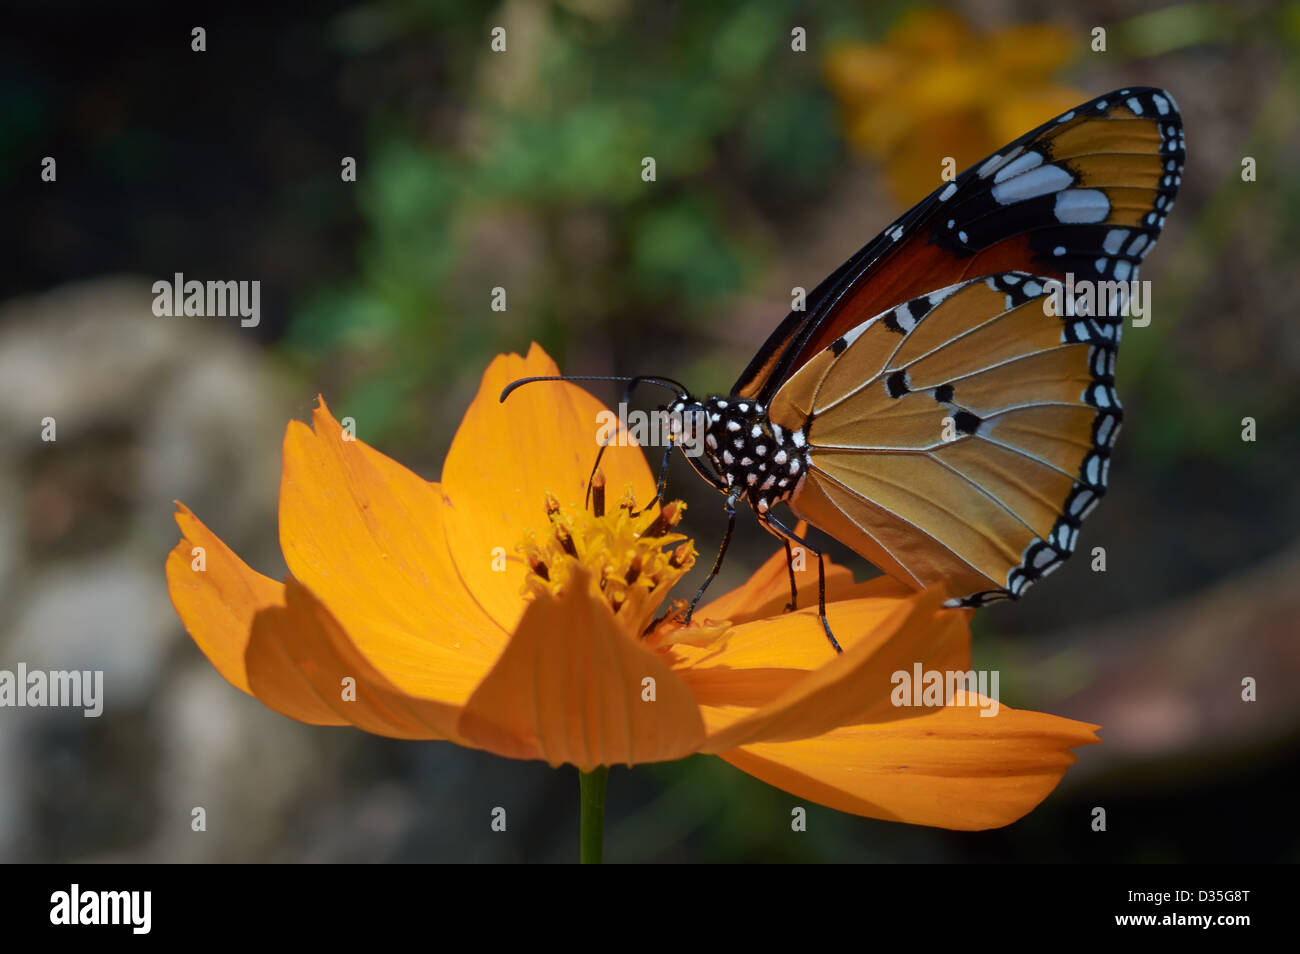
x: 961, y: 439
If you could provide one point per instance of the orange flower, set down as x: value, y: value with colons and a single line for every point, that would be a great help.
x: 494, y: 611
x: 936, y: 88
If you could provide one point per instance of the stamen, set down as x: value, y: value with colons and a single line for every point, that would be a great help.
x: 680, y: 556
x: 538, y: 566
x: 566, y: 540
x: 669, y: 516
x: 598, y: 494
x: 633, y: 569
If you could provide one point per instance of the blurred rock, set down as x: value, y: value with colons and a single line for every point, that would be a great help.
x: 147, y: 410
x: 107, y: 613
x: 226, y: 753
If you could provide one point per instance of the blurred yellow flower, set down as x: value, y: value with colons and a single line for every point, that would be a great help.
x: 937, y: 88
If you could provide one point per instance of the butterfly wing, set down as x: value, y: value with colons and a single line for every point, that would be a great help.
x: 960, y: 437
x: 1085, y: 193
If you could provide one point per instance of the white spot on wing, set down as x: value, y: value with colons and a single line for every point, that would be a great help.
x: 1081, y: 206
x: 934, y: 298
x: 994, y: 163
x: 1043, y: 180
x: 849, y: 337
x: 1114, y: 240
x: 990, y: 166
x: 1030, y: 160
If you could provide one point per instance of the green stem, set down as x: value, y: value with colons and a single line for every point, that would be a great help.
x: 591, y: 786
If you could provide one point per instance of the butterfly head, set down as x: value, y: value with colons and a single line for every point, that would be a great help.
x: 687, y: 423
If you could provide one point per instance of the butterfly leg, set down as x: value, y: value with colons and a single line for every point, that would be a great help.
x: 789, y: 536
x: 660, y: 485
x: 722, y: 551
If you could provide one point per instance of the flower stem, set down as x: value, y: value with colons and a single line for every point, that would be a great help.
x: 591, y: 786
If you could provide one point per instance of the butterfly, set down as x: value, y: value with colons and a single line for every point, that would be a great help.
x: 944, y: 405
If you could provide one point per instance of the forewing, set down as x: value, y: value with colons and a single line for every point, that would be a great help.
x: 1086, y: 193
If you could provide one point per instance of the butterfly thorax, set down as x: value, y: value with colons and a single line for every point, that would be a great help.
x: 752, y: 457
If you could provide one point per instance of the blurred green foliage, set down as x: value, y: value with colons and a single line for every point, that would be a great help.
x: 508, y: 158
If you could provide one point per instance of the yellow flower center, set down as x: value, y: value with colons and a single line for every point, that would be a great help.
x: 633, y: 558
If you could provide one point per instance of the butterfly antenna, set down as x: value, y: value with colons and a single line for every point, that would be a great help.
x: 664, y: 382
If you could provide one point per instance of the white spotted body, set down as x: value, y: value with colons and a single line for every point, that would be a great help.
x: 752, y: 457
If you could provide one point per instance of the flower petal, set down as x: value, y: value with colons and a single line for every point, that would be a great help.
x: 852, y: 688
x: 767, y: 591
x: 796, y: 641
x: 506, y: 456
x: 950, y: 769
x: 217, y: 604
x: 299, y: 658
x: 364, y: 534
x: 569, y: 688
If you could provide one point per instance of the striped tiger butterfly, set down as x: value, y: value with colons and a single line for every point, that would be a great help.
x: 940, y: 406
